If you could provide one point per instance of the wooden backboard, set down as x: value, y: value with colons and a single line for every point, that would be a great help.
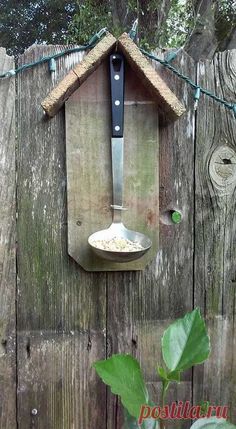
x: 89, y: 185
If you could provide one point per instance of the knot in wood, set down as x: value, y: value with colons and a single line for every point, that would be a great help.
x: 222, y: 168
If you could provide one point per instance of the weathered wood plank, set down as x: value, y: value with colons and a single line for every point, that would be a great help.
x: 215, y: 231
x: 89, y: 177
x: 57, y: 385
x: 61, y: 309
x: 140, y: 305
x: 7, y: 248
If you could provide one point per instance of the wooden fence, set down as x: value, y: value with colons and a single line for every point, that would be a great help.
x: 55, y: 318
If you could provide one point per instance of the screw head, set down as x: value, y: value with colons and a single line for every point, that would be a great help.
x: 34, y: 412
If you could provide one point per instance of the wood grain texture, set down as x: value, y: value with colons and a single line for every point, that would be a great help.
x: 170, y: 107
x: 68, y: 318
x: 89, y: 177
x: 141, y: 305
x: 7, y: 248
x: 61, y: 309
x: 215, y: 231
x: 57, y: 97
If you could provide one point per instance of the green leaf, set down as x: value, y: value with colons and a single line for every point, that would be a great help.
x: 131, y: 423
x: 168, y: 376
x: 123, y: 374
x: 186, y: 343
x: 174, y: 376
x: 162, y: 373
x: 212, y: 423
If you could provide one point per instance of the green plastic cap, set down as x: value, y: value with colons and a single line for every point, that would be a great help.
x: 176, y: 217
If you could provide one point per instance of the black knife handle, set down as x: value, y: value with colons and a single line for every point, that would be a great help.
x: 117, y: 94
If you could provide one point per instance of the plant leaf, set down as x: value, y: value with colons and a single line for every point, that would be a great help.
x: 174, y: 376
x: 185, y: 342
x: 131, y: 423
x: 168, y: 376
x: 123, y: 374
x: 212, y: 423
x: 162, y: 373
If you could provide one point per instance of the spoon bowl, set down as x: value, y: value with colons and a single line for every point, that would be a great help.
x: 118, y: 230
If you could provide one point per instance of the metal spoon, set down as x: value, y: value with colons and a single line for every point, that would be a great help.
x: 117, y: 228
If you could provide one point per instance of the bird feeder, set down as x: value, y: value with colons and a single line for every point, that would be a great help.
x: 148, y: 104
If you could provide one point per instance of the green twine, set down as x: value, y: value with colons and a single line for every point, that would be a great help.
x: 44, y: 60
x: 49, y: 59
x: 199, y: 89
x: 92, y: 42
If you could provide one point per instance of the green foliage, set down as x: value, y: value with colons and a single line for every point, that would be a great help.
x: 90, y: 18
x: 118, y: 18
x: 167, y: 25
x: 161, y: 24
x: 212, y: 423
x: 225, y: 21
x: 169, y: 376
x: 186, y: 343
x: 123, y: 374
x: 24, y: 22
x: 92, y: 15
x: 178, y: 25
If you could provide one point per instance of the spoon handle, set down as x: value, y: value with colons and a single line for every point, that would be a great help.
x: 117, y: 94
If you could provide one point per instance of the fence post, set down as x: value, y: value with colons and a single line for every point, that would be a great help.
x: 7, y: 247
x: 215, y: 231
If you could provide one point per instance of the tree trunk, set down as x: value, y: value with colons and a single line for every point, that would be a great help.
x: 120, y: 12
x: 229, y: 41
x: 232, y: 41
x: 203, y: 42
x: 151, y: 18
